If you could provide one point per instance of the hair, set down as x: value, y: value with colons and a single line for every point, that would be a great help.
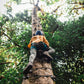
x: 38, y: 33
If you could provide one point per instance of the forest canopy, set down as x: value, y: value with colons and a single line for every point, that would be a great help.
x: 63, y: 25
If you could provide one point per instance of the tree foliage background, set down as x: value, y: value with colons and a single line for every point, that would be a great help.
x: 66, y: 38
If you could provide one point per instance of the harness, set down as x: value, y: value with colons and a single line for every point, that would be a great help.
x: 40, y: 46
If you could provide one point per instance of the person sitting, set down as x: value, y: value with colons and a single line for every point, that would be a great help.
x: 38, y: 42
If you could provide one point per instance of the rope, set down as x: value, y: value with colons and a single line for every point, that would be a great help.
x: 38, y: 76
x: 42, y: 68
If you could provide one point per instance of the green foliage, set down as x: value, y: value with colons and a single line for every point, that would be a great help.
x: 2, y: 60
x: 11, y: 77
x: 15, y: 36
x: 66, y: 38
x: 3, y: 19
x: 17, y: 1
x: 47, y: 22
x: 23, y: 17
x: 49, y: 2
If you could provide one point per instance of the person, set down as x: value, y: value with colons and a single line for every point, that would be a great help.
x: 38, y: 42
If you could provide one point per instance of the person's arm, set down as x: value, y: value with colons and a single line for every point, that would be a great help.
x: 45, y: 41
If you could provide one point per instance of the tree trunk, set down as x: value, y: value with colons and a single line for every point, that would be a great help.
x: 41, y: 72
x: 36, y: 25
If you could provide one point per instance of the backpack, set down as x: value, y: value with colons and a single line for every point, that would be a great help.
x: 40, y: 46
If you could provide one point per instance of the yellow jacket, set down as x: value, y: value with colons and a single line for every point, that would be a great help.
x: 37, y: 39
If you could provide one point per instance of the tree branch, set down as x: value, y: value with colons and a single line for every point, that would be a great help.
x: 77, y: 3
x: 1, y: 77
x: 5, y: 63
x: 55, y: 9
x: 76, y: 8
x: 73, y: 3
x: 37, y: 2
x: 79, y: 7
x: 33, y: 2
x: 6, y: 49
x: 11, y: 40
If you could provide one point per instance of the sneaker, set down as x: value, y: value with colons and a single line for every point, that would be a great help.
x: 48, y: 56
x: 28, y: 68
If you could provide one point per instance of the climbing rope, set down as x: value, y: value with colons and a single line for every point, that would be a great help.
x: 38, y: 76
x: 42, y: 68
x: 52, y: 77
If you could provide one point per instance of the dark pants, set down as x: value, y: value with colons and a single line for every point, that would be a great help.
x: 39, y: 46
x: 34, y: 48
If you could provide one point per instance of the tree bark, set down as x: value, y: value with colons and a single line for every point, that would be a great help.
x: 41, y: 72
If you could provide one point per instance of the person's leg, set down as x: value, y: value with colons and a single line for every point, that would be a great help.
x: 32, y: 55
x: 51, y: 50
x: 31, y: 60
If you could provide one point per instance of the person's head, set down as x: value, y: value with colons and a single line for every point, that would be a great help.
x: 38, y: 33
